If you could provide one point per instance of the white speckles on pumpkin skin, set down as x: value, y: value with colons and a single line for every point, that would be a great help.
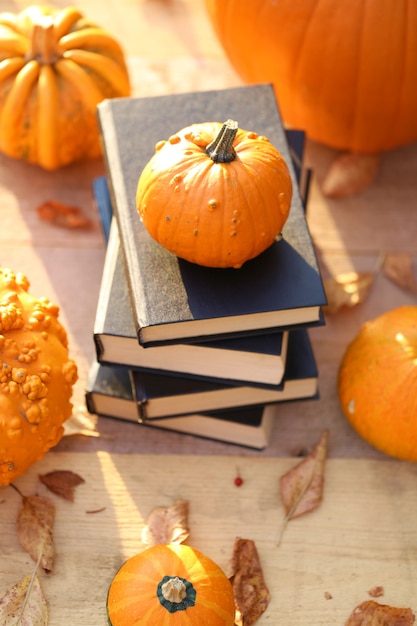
x: 351, y: 407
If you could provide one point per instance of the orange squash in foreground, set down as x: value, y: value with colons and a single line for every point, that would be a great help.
x: 36, y: 376
x: 170, y: 584
x: 345, y: 71
x: 214, y: 194
x: 55, y: 67
x: 377, y: 382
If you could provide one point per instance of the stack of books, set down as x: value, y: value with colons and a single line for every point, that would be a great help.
x: 208, y: 352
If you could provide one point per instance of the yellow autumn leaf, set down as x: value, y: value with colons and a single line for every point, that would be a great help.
x: 167, y: 524
x: 346, y: 290
x: 24, y: 604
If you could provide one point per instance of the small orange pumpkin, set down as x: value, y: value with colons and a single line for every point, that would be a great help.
x: 345, y: 72
x: 377, y: 382
x: 36, y: 376
x: 214, y: 194
x: 167, y: 584
x: 55, y: 67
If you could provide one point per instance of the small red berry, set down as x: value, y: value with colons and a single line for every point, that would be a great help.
x: 238, y: 480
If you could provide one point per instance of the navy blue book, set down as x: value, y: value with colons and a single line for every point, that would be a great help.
x: 109, y: 393
x: 257, y: 359
x: 160, y: 395
x: 174, y: 301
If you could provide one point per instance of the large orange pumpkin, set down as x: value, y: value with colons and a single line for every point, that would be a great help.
x: 377, y: 383
x: 55, y: 67
x: 214, y: 194
x: 344, y: 71
x: 170, y: 584
x: 36, y: 376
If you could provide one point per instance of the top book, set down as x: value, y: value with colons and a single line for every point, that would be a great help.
x: 176, y: 301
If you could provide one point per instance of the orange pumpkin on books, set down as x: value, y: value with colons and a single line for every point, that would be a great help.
x: 214, y: 194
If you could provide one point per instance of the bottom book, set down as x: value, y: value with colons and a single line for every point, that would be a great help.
x: 109, y: 393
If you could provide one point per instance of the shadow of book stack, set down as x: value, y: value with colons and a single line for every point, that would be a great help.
x: 203, y: 351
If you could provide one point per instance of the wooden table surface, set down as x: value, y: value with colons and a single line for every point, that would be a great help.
x: 171, y: 47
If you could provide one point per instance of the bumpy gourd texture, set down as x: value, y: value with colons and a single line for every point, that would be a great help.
x: 345, y: 72
x: 211, y: 213
x: 377, y: 382
x: 36, y: 376
x: 132, y: 597
x: 55, y: 67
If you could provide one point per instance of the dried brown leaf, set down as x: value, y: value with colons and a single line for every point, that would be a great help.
x: 34, y: 526
x: 347, y: 290
x: 63, y: 215
x: 350, y: 173
x: 167, y: 524
x: 400, y: 269
x: 302, y: 486
x: 376, y: 592
x: 62, y: 483
x: 371, y: 613
x: 24, y: 604
x: 252, y: 596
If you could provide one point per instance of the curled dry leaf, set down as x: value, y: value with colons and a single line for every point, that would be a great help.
x: 302, y: 486
x: 252, y: 596
x: 347, y: 290
x: 24, y: 604
x: 63, y: 215
x: 167, y: 524
x: 35, y: 522
x: 350, y: 173
x: 401, y: 270
x: 371, y: 613
x: 62, y: 483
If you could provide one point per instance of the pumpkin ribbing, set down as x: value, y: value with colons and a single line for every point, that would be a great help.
x: 134, y: 595
x: 344, y: 72
x: 55, y: 67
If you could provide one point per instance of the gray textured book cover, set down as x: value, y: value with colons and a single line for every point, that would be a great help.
x: 174, y: 300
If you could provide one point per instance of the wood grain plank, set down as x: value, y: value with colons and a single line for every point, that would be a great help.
x: 364, y: 533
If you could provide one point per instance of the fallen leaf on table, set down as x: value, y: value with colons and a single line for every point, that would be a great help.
x: 35, y: 522
x: 63, y: 215
x: 167, y: 524
x: 346, y: 290
x: 62, y: 483
x: 301, y: 487
x: 371, y: 613
x: 24, y: 604
x: 350, y: 173
x: 399, y: 268
x: 252, y: 596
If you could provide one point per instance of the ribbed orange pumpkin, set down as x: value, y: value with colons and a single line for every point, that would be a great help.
x: 55, y: 67
x: 36, y: 376
x: 377, y: 382
x: 345, y: 72
x: 214, y: 194
x: 170, y: 584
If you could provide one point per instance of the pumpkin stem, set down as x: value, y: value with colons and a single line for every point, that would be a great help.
x: 43, y: 44
x: 221, y: 150
x: 174, y: 590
